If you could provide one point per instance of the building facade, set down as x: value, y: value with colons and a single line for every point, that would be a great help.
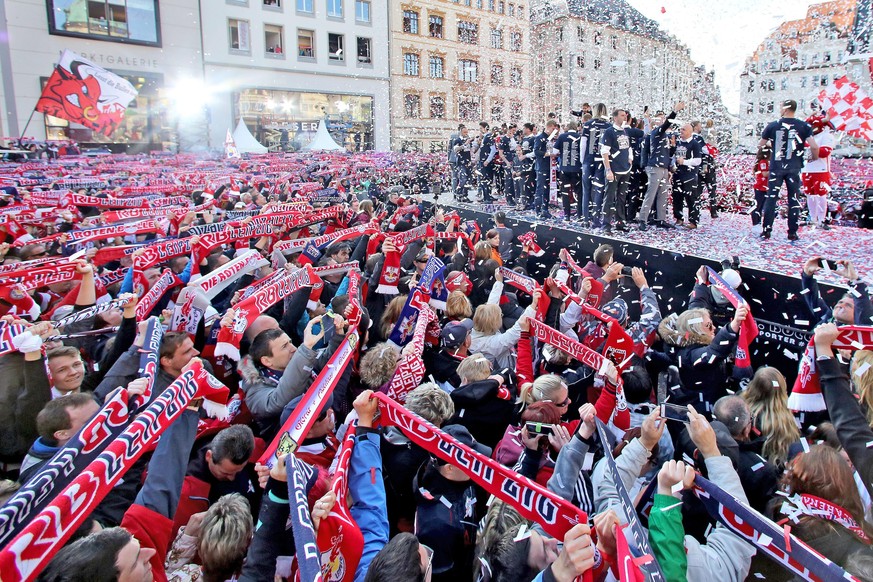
x: 604, y: 51
x: 456, y: 61
x: 153, y: 46
x: 283, y: 65
x: 796, y: 61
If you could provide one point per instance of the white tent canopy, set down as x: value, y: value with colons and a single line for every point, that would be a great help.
x: 322, y: 140
x: 245, y: 141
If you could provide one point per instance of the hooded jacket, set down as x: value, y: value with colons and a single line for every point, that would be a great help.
x: 478, y: 408
x: 265, y: 397
x: 39, y: 453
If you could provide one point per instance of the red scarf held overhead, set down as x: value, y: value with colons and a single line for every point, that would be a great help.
x: 748, y: 328
x: 530, y: 499
x: 410, y: 368
x: 528, y: 285
x: 303, y: 416
x: 247, y: 310
x: 390, y: 275
x: 806, y: 393
x: 148, y: 300
x: 611, y: 398
x: 339, y: 538
x: 595, y: 295
x: 31, y: 550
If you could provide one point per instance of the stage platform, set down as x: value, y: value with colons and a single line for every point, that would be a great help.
x: 671, y: 257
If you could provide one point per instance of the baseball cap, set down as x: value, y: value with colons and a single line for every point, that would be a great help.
x: 732, y: 278
x: 463, y: 436
x: 455, y: 332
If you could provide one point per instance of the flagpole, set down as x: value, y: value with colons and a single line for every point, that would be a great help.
x: 26, y: 125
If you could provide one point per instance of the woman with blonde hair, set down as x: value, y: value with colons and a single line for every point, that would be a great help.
x: 767, y: 398
x: 487, y: 338
x: 458, y: 307
x: 546, y: 388
x: 702, y: 356
x: 862, y: 380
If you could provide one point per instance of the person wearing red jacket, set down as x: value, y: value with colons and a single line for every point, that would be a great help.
x: 762, y: 174
x: 816, y: 174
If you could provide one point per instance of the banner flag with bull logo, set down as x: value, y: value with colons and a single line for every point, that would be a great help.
x: 81, y: 92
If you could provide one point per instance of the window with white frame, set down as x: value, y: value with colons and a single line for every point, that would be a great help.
x: 362, y: 10
x: 306, y: 43
x: 437, y: 67
x: 274, y: 43
x: 305, y: 6
x: 468, y: 70
x: 240, y: 34
x: 335, y: 8
x: 336, y: 44
x: 410, y: 64
x: 365, y: 50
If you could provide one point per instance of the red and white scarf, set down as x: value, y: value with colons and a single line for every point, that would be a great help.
x: 410, y: 369
x: 307, y: 410
x: 530, y: 499
x: 247, y: 310
x: 32, y: 549
x: 806, y: 393
x: 150, y: 298
x: 748, y: 328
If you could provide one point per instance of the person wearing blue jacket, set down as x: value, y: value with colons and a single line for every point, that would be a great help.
x: 593, y: 180
x: 615, y: 149
x: 543, y: 166
x: 655, y: 158
x: 366, y: 486
x: 570, y: 167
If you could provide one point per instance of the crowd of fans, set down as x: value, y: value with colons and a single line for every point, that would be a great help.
x: 199, y: 506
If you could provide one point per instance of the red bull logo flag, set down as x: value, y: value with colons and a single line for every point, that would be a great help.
x: 81, y: 92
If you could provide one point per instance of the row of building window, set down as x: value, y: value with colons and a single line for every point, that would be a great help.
x: 784, y: 85
x: 468, y: 70
x: 334, y: 8
x: 469, y: 108
x: 274, y: 42
x: 497, y: 6
x: 814, y: 60
x: 468, y: 32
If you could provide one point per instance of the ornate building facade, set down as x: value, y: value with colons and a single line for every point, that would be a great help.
x: 456, y: 61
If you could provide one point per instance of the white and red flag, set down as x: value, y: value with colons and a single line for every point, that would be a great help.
x: 81, y: 92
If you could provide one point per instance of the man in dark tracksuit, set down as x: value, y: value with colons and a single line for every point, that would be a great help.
x: 570, y: 167
x: 528, y: 170
x: 687, y: 157
x: 543, y: 165
x: 487, y: 153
